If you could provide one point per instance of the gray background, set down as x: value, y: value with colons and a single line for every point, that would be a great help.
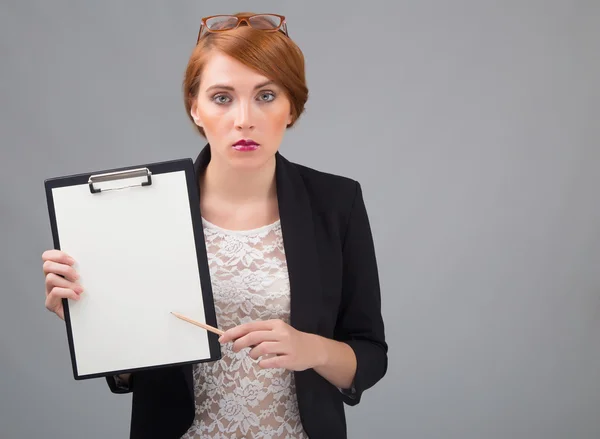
x: 473, y: 127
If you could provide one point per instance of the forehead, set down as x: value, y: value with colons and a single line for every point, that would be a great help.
x: 223, y: 69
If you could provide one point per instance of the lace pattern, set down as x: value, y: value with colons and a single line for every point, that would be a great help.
x: 235, y: 398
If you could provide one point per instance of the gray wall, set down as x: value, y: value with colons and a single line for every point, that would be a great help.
x: 473, y: 127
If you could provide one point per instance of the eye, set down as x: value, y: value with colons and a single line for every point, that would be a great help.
x: 266, y: 96
x: 221, y: 99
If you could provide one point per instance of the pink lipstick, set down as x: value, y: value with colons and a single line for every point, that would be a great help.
x: 245, y: 145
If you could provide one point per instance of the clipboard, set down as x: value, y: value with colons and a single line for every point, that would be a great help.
x: 137, y: 238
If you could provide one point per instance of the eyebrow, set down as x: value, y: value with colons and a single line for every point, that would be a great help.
x: 230, y: 88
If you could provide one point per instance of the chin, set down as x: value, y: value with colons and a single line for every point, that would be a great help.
x: 249, y: 159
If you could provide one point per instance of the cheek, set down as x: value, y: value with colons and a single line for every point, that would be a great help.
x: 278, y: 118
x: 212, y: 117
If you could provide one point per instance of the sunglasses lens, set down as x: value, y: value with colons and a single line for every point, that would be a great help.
x: 222, y: 22
x: 265, y: 21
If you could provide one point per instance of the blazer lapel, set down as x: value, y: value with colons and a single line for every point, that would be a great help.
x: 300, y: 246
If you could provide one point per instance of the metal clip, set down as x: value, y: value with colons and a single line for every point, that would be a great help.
x: 111, y: 176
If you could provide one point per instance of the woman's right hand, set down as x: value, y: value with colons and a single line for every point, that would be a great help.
x: 61, y: 280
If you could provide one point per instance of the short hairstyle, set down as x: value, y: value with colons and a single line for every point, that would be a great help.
x: 273, y: 54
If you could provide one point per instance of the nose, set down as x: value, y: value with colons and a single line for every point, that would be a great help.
x: 244, y: 117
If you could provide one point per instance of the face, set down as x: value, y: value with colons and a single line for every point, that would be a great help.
x: 243, y: 113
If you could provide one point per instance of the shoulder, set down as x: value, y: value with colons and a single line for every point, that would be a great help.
x: 328, y: 190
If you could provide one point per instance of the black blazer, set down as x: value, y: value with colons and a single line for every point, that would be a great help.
x: 334, y: 293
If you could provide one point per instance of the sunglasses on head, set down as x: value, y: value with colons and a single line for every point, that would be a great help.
x: 222, y: 23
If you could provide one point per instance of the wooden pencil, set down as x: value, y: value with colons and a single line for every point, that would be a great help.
x: 194, y: 322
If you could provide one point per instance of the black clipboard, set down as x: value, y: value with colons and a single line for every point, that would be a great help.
x: 137, y: 237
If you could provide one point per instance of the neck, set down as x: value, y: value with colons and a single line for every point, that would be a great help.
x: 233, y: 185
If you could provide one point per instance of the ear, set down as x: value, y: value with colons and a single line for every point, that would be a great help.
x: 195, y: 115
x: 290, y: 118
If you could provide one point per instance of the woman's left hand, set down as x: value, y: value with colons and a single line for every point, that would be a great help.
x: 290, y: 349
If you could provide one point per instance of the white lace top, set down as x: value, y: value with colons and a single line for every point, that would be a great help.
x: 235, y: 398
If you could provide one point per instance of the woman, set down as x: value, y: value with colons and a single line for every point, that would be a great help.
x: 291, y: 258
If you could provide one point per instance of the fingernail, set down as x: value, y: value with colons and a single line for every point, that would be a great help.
x: 221, y: 339
x: 79, y: 289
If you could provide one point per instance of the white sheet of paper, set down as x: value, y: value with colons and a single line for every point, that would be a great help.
x: 136, y: 256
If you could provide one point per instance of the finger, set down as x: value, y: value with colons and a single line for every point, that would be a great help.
x: 57, y: 256
x: 60, y: 312
x: 253, y: 339
x: 61, y: 269
x: 56, y: 309
x: 54, y: 280
x: 243, y: 329
x: 267, y: 348
x: 58, y: 293
x: 278, y: 362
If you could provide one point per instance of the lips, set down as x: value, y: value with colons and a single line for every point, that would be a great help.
x: 245, y: 145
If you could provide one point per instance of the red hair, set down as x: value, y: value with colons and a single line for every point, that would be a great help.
x: 273, y: 54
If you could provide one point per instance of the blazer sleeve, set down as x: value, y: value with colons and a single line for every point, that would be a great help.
x: 360, y: 323
x: 116, y: 385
